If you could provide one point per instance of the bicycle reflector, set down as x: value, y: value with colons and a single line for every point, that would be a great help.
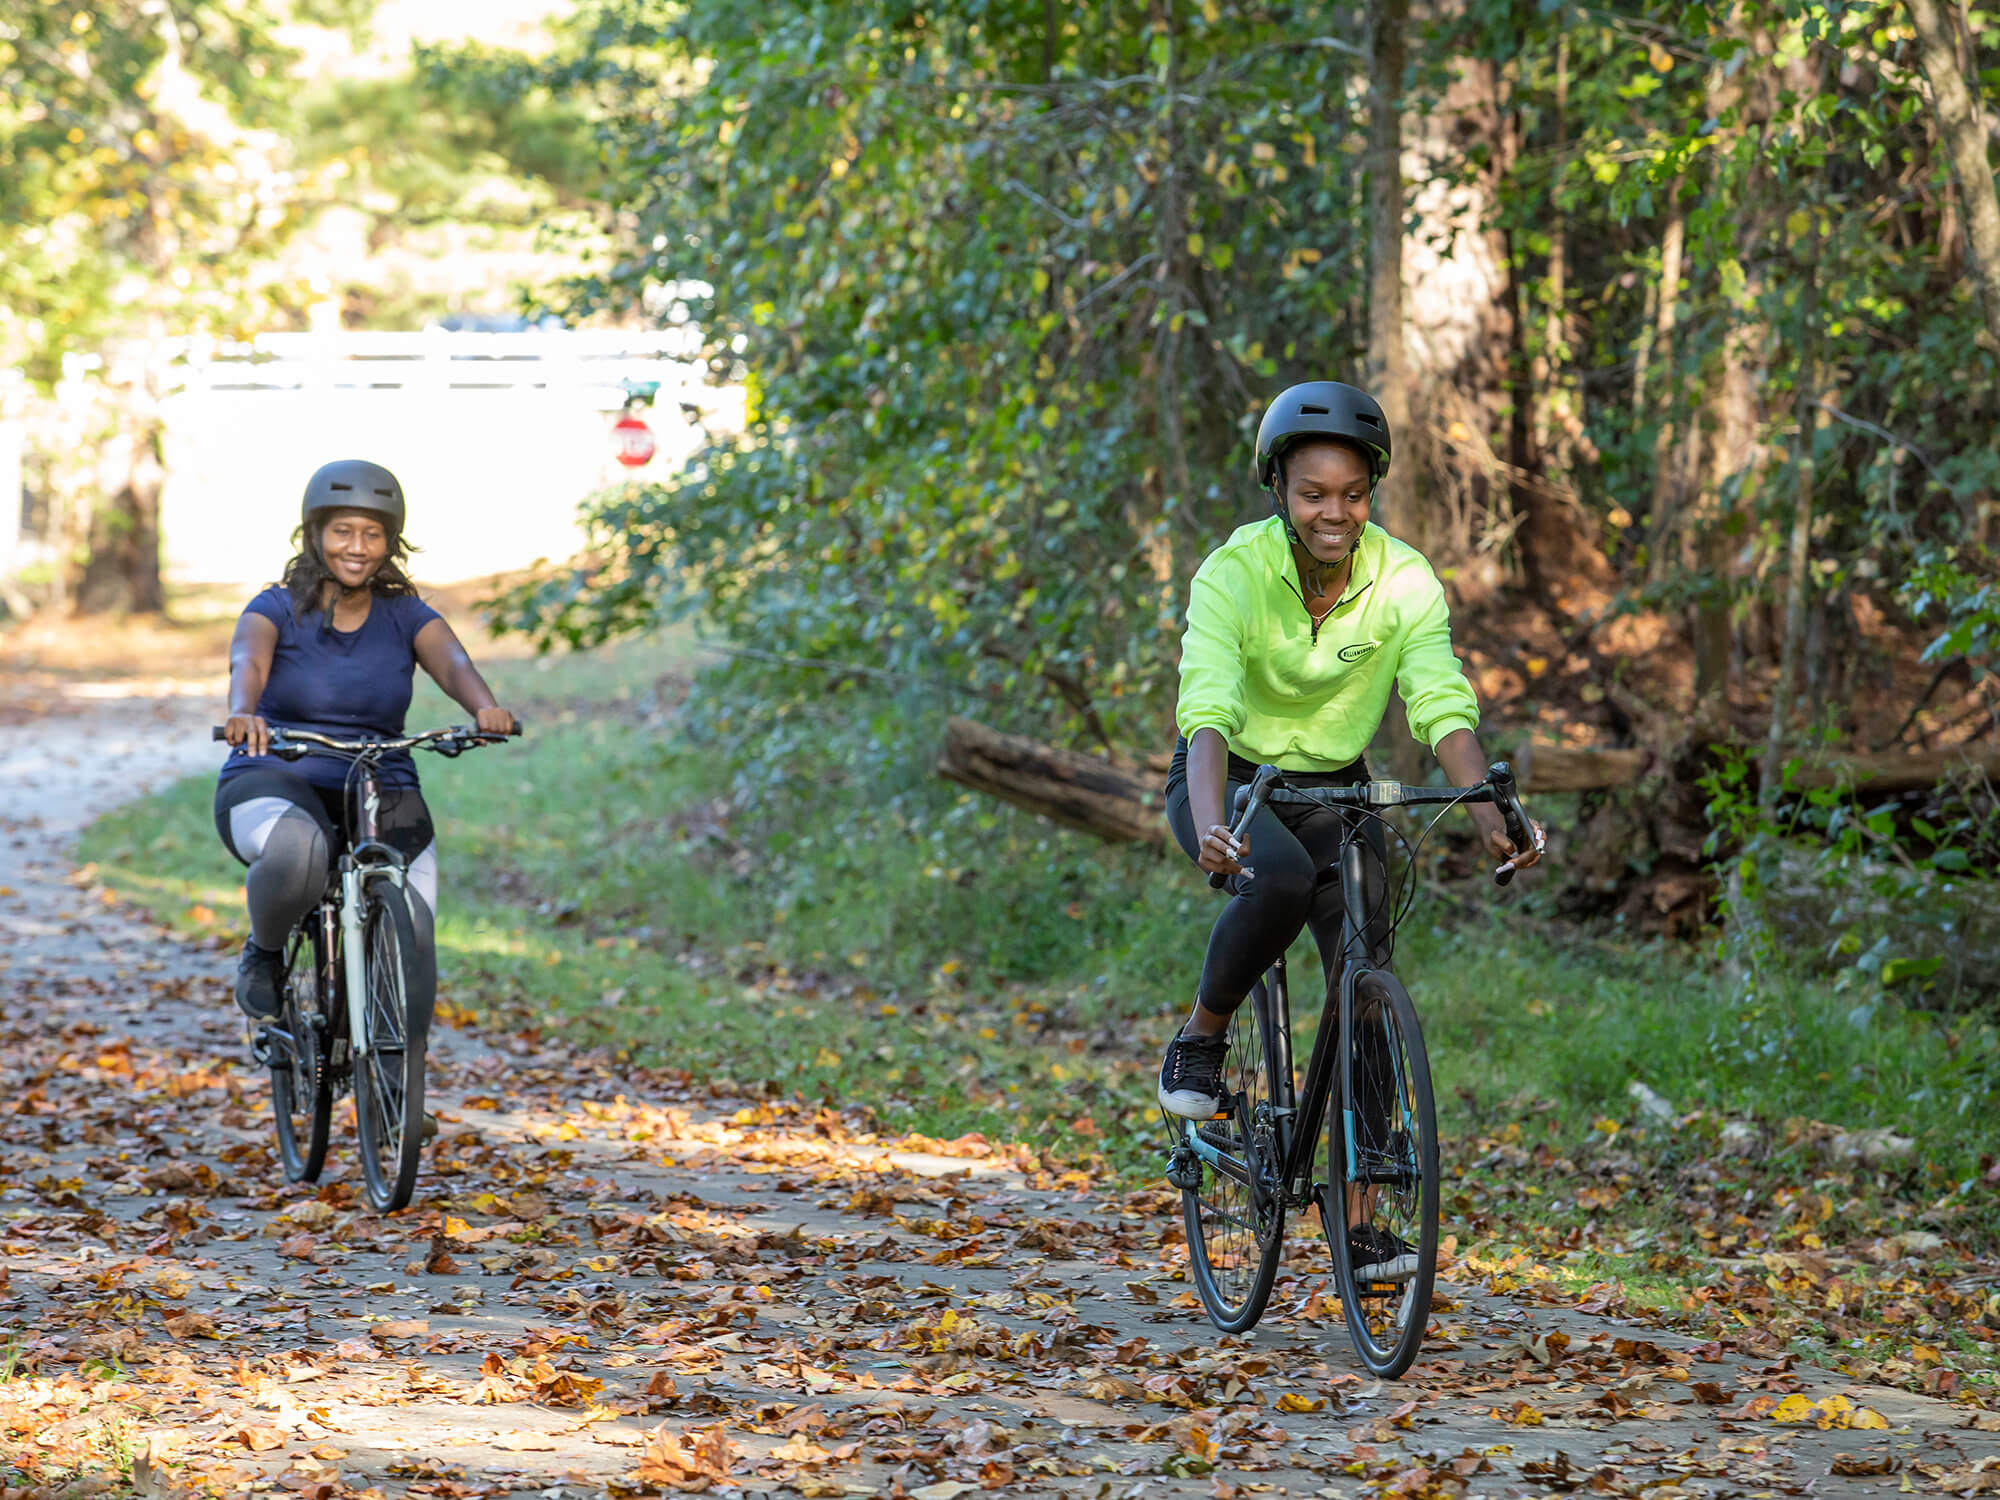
x: 1384, y: 793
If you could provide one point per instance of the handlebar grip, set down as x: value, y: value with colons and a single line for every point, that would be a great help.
x: 1217, y: 880
x: 1501, y: 775
x: 218, y: 732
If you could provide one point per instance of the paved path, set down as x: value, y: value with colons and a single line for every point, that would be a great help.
x: 613, y: 1283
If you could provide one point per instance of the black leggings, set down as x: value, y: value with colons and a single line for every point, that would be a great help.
x: 287, y: 830
x: 1291, y: 847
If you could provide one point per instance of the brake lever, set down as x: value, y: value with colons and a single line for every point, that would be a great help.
x: 1248, y: 801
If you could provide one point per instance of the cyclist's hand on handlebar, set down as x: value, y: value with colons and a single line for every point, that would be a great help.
x: 249, y: 731
x: 495, y: 721
x: 1501, y: 848
x: 1222, y: 852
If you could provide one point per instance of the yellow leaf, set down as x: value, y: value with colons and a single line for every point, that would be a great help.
x: 1194, y: 244
x: 1041, y: 281
x: 1926, y: 1354
x: 1868, y: 1417
x: 1051, y: 415
x: 1291, y: 1402
x: 1794, y: 1408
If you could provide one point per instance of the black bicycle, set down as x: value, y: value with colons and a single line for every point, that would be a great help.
x: 1241, y: 1172
x: 356, y: 1002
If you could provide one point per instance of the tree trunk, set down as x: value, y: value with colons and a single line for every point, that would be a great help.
x: 1663, y: 515
x: 1810, y: 417
x: 1961, y: 121
x: 1387, y: 374
x: 121, y: 573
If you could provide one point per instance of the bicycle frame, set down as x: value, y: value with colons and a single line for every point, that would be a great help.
x: 1297, y: 1135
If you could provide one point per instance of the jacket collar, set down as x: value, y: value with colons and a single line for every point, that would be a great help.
x: 1367, y: 559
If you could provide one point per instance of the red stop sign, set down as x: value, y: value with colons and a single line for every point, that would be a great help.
x: 634, y: 441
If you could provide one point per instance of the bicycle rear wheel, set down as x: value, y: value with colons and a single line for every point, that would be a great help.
x: 389, y: 1078
x: 301, y: 1090
x: 1385, y: 1175
x: 1235, y: 1214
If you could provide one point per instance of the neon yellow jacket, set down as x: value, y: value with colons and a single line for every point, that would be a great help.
x: 1254, y: 668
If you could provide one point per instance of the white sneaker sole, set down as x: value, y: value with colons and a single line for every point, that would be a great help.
x: 1402, y: 1268
x: 1189, y: 1106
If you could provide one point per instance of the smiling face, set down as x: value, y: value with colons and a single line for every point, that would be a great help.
x: 355, y: 543
x: 1326, y: 492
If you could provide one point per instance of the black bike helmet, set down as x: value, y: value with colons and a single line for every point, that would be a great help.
x: 1321, y: 409
x: 354, y: 484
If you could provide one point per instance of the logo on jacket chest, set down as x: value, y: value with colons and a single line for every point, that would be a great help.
x: 1359, y: 651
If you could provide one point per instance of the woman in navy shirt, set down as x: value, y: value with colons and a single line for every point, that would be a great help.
x: 334, y: 649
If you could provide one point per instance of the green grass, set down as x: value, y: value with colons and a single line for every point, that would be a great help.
x: 786, y: 896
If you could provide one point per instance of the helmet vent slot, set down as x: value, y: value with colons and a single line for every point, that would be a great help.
x: 388, y: 494
x: 1372, y: 421
x: 1312, y: 411
x: 337, y: 485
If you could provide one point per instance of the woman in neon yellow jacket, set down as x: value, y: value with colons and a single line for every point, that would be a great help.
x: 1297, y: 628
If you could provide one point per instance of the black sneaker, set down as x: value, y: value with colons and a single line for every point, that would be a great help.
x: 259, y: 973
x: 1378, y: 1255
x: 1191, y: 1076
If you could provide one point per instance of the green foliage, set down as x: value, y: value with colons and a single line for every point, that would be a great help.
x: 1823, y: 881
x: 1009, y: 299
x: 131, y: 191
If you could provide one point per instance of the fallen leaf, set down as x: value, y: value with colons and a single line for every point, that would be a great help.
x: 1855, y: 1464
x: 1292, y: 1402
x: 526, y: 1442
x: 258, y: 1439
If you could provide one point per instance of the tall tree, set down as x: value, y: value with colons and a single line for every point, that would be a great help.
x: 1962, y: 123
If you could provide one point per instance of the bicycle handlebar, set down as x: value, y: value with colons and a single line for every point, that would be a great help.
x: 292, y: 744
x: 1498, y: 788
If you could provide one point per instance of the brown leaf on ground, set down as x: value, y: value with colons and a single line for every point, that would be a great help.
x: 257, y: 1439
x: 190, y: 1325
x: 526, y: 1442
x: 673, y: 1462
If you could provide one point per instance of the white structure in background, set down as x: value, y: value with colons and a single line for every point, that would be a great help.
x: 497, y: 438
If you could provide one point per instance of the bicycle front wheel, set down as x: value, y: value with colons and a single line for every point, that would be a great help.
x: 389, y: 1077
x: 301, y: 1091
x: 1235, y: 1214
x: 1385, y: 1180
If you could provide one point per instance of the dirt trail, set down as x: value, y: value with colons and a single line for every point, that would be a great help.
x: 612, y: 1281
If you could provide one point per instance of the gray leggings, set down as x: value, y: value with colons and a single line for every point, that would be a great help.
x: 285, y: 829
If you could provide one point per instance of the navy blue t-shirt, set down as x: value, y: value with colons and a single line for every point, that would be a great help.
x: 344, y: 684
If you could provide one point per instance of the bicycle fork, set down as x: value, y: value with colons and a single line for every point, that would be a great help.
x: 354, y: 880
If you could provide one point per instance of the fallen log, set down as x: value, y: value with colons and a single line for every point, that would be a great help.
x: 1573, y: 768
x: 1113, y: 799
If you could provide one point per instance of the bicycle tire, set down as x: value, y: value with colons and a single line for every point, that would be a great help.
x: 389, y: 1079
x: 301, y: 1088
x: 1387, y: 1326
x: 1236, y: 1233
